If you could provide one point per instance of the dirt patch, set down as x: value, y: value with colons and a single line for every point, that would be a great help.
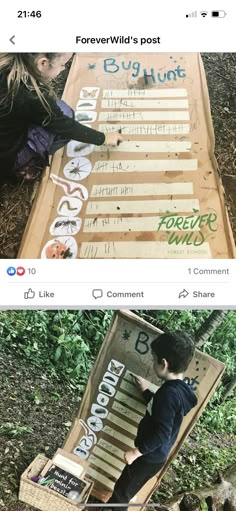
x: 36, y: 413
x: 220, y: 71
x: 16, y: 201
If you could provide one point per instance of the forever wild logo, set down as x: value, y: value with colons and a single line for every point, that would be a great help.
x: 193, y: 224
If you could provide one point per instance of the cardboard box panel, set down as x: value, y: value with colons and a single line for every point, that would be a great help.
x: 155, y: 195
x: 102, y: 437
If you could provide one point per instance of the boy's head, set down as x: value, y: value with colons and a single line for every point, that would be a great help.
x: 172, y: 353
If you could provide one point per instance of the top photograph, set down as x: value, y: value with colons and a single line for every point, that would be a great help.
x: 117, y: 156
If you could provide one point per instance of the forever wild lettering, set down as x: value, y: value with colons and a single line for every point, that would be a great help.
x: 187, y: 223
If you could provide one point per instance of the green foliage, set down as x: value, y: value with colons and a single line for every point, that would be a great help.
x: 197, y: 464
x: 222, y: 345
x: 66, y: 343
x: 220, y: 417
x: 9, y: 429
x: 171, y: 320
x: 63, y: 342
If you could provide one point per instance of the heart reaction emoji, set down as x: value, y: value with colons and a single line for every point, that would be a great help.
x: 20, y: 271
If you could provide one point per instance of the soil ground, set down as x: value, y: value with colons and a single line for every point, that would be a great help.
x: 40, y: 404
x: 16, y: 200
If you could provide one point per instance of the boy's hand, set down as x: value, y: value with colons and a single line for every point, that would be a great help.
x: 113, y: 138
x: 141, y: 383
x: 132, y: 455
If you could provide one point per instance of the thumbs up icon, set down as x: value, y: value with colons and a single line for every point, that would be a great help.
x: 28, y: 295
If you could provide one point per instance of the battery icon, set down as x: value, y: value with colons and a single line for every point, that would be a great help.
x: 218, y: 14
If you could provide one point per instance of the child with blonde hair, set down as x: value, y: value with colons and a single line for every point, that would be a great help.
x: 33, y: 122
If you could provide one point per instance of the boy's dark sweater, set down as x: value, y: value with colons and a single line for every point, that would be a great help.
x: 159, y: 428
x: 27, y: 110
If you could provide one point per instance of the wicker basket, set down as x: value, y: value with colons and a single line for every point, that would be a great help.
x: 40, y: 497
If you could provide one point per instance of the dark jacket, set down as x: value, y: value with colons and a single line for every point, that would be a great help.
x: 159, y: 428
x: 27, y: 110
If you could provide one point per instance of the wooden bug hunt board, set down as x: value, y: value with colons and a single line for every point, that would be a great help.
x: 157, y: 194
x: 106, y: 424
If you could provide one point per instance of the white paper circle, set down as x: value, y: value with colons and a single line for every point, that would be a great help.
x: 89, y: 92
x: 107, y: 389
x: 86, y: 104
x: 65, y: 225
x: 75, y: 148
x: 116, y: 367
x: 102, y: 399
x: 89, y: 116
x: 77, y: 169
x: 85, y: 442
x: 99, y: 411
x: 69, y: 206
x: 63, y: 247
x: 95, y: 423
x: 110, y: 378
x: 82, y: 453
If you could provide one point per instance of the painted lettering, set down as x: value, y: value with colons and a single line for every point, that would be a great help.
x: 155, y: 76
x: 110, y: 66
x: 141, y: 345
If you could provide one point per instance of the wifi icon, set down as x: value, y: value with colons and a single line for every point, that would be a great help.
x: 203, y: 13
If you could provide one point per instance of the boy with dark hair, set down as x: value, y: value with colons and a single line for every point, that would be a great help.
x: 159, y: 428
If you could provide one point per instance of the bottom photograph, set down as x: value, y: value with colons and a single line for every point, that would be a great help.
x: 118, y: 409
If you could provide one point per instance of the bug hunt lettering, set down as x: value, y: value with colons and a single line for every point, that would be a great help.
x: 156, y: 76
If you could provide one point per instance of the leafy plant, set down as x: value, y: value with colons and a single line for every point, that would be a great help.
x: 12, y: 430
x: 197, y: 464
x: 221, y: 417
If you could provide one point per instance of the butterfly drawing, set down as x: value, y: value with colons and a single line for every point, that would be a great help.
x: 116, y: 369
x: 89, y: 94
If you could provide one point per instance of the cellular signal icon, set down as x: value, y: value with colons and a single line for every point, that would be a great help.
x: 192, y: 14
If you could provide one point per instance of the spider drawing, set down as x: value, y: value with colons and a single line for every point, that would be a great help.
x: 77, y: 171
x: 95, y: 423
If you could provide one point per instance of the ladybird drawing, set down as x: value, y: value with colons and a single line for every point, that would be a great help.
x: 63, y: 247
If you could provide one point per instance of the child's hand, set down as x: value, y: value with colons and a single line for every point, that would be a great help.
x: 114, y: 138
x: 141, y: 383
x: 132, y: 455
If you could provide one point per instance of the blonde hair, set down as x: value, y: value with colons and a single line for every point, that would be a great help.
x: 21, y: 68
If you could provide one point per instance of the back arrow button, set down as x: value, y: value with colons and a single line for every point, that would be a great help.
x: 12, y: 39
